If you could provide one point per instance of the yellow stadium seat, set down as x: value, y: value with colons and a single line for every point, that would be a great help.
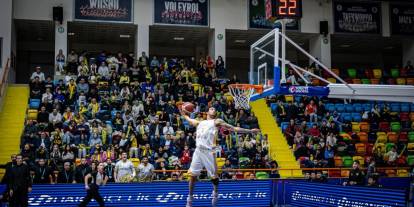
x: 377, y: 73
x: 380, y: 146
x: 332, y: 80
x: 356, y: 127
x: 401, y: 81
x: 410, y: 147
x: 344, y: 173
x: 381, y: 137
x: 360, y: 159
x: 32, y: 114
x: 360, y: 148
x: 336, y: 71
x: 402, y: 173
x: 289, y: 98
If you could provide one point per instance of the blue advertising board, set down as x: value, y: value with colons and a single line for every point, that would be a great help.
x: 304, y: 90
x: 300, y: 193
x: 231, y: 193
x: 104, y: 10
x: 182, y: 12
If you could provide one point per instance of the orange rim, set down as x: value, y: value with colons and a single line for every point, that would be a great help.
x: 257, y: 88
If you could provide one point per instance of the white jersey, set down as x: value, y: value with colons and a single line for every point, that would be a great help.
x: 205, y: 135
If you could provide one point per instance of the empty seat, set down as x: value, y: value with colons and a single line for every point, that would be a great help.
x: 338, y: 161
x: 355, y: 127
x: 32, y: 114
x: 405, y: 107
x: 401, y: 81
x: 410, y: 160
x: 395, y: 107
x: 34, y: 103
x: 332, y: 80
x: 367, y: 106
x: 375, y: 81
x: 349, y: 107
x: 336, y: 71
x: 410, y: 81
x: 346, y: 117
x: 347, y: 160
x: 364, y: 126
x: 402, y: 173
x: 284, y: 126
x: 363, y: 137
x: 358, y: 108
x: 395, y: 126
x: 365, y: 81
x: 368, y: 73
x: 352, y: 72
x: 344, y: 173
x: 356, y: 81
x: 390, y: 173
x: 395, y: 72
x: 330, y: 107
x: 360, y: 148
x: 404, y: 116
x: 391, y: 81
x: 356, y: 117
x: 392, y: 137
x: 377, y: 73
x: 412, y: 116
x: 384, y: 126
x: 340, y: 107
x: 262, y: 175
x: 411, y: 137
x: 403, y: 137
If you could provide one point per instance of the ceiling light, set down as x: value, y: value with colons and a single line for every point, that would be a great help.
x: 71, y: 33
x: 345, y: 46
x: 124, y: 36
x: 240, y: 41
x: 179, y: 38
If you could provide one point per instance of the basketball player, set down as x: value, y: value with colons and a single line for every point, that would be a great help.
x: 204, y: 154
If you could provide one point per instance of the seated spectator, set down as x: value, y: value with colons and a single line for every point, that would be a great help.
x: 391, y: 156
x: 356, y: 175
x: 38, y: 74
x: 43, y: 174
x: 67, y: 175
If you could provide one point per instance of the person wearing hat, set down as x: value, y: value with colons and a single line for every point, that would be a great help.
x: 38, y: 74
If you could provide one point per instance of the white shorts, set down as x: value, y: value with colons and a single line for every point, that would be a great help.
x: 203, y: 158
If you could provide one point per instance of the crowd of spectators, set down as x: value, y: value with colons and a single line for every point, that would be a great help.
x: 124, y: 112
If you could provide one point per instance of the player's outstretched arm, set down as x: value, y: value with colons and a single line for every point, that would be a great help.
x: 193, y: 122
x: 221, y: 123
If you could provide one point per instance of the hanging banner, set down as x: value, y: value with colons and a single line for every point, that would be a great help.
x: 402, y: 19
x: 257, y: 17
x: 357, y: 17
x: 184, y: 12
x: 104, y: 10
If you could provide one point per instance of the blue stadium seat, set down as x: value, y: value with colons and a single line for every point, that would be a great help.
x: 367, y: 106
x: 412, y: 107
x: 356, y: 117
x: 330, y: 107
x: 284, y: 126
x: 340, y: 107
x: 349, y: 108
x: 358, y: 107
x: 34, y: 103
x: 298, y: 99
x: 346, y: 117
x: 405, y: 107
x: 395, y: 107
x: 273, y: 107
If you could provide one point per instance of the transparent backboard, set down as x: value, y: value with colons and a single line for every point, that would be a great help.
x: 262, y: 61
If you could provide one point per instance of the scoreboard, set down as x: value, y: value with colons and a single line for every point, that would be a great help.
x: 289, y: 9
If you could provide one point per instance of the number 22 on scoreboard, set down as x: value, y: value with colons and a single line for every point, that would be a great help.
x: 287, y: 7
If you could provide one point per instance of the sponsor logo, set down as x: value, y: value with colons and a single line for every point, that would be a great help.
x: 299, y: 89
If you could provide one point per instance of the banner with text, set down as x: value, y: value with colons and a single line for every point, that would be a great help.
x: 357, y: 17
x: 257, y: 17
x: 184, y: 12
x: 402, y: 19
x: 104, y: 10
x: 232, y: 193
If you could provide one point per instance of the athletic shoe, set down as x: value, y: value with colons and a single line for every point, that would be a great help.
x: 214, y: 199
x: 189, y: 201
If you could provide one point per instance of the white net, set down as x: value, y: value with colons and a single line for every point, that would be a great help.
x: 241, y: 96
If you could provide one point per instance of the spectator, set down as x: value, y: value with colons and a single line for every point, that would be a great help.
x: 145, y: 171
x: 109, y: 170
x: 38, y: 74
x: 409, y: 66
x: 356, y: 176
x: 311, y: 112
x: 82, y: 170
x: 60, y: 60
x: 43, y: 174
x: 391, y: 156
x: 124, y: 170
x: 72, y: 62
x: 67, y: 175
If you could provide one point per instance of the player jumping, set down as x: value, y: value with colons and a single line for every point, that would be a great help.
x: 204, y: 154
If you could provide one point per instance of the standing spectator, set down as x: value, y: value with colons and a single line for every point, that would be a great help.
x: 72, y: 62
x: 43, y: 174
x: 67, y: 175
x: 143, y: 60
x: 145, y: 171
x: 124, y: 170
x: 82, y: 170
x: 356, y: 176
x: 103, y: 71
x: 372, y: 170
x: 109, y: 170
x: 19, y: 183
x: 220, y: 67
x: 60, y: 60
x: 38, y: 74
x: 155, y: 63
x: 311, y: 111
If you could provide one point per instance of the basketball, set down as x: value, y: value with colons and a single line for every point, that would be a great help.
x: 188, y: 107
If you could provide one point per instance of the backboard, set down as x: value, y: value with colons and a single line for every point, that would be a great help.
x: 262, y: 61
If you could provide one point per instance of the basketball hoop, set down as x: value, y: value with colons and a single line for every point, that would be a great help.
x: 242, y: 92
